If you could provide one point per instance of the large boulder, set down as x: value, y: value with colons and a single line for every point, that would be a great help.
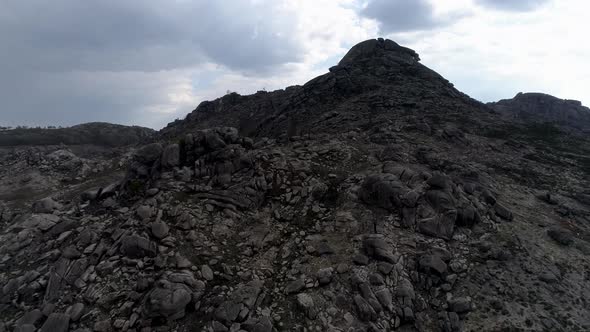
x: 171, y: 156
x: 46, y: 205
x: 135, y: 246
x: 375, y: 246
x: 168, y: 300
x: 149, y: 153
x: 384, y: 191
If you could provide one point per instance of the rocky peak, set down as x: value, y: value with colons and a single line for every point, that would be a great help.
x: 540, y: 107
x: 382, y: 49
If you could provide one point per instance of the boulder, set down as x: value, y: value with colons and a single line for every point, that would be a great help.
x: 295, y: 286
x: 383, y: 191
x: 375, y: 246
x: 305, y: 302
x: 135, y: 246
x: 46, y: 205
x: 148, y: 154
x: 160, y: 229
x: 442, y: 225
x: 56, y: 323
x: 168, y: 300
x: 503, y: 211
x: 432, y: 264
x: 171, y: 156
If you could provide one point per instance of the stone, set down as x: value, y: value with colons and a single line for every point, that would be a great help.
x: 405, y: 289
x: 385, y: 298
x: 460, y: 304
x: 135, y: 246
x: 295, y: 286
x: 75, y: 311
x: 167, y: 300
x: 360, y: 259
x: 306, y: 303
x: 103, y: 326
x: 432, y: 264
x: 324, y: 276
x: 46, y: 205
x: 160, y: 229
x: 207, y: 273
x: 213, y: 141
x: 70, y: 252
x: 30, y: 317
x: 260, y: 324
x: 439, y: 180
x: 23, y: 328
x: 441, y: 226
x: 148, y: 154
x: 503, y: 211
x: 56, y: 323
x: 561, y: 235
x: 375, y: 246
x: 365, y: 310
x: 228, y: 311
x: 382, y: 191
x: 144, y: 212
x: 171, y: 156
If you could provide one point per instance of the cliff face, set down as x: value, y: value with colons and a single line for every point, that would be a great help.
x: 539, y: 107
x: 375, y: 197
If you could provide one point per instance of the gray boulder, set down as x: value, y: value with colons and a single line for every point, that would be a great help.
x: 56, y: 323
x: 171, y: 156
x: 135, y: 246
x: 168, y: 300
x: 149, y: 153
x: 46, y: 205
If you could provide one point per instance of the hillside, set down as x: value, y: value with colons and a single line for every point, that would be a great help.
x: 376, y: 197
x: 95, y: 133
x: 539, y: 108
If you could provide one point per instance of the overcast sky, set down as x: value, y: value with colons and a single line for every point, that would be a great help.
x: 147, y: 62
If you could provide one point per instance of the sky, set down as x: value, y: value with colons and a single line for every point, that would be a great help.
x: 149, y: 62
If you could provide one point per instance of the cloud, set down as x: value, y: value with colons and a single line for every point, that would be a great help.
x: 67, y: 61
x: 56, y: 98
x: 512, y: 5
x: 396, y: 16
x: 149, y: 61
x: 150, y: 35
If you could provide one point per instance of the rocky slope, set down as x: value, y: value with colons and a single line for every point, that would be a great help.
x: 373, y: 198
x: 539, y: 107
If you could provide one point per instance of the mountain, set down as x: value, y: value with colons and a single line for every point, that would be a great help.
x: 376, y: 80
x: 539, y: 107
x: 95, y: 133
x: 376, y: 197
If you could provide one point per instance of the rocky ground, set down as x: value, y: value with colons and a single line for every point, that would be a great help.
x: 342, y: 206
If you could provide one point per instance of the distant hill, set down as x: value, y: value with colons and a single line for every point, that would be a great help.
x: 539, y: 107
x: 97, y: 133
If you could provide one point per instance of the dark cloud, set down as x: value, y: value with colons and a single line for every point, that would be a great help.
x: 513, y: 5
x: 402, y: 15
x: 143, y: 35
x: 58, y: 98
x: 71, y: 61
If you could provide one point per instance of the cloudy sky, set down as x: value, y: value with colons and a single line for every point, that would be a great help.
x: 147, y: 62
